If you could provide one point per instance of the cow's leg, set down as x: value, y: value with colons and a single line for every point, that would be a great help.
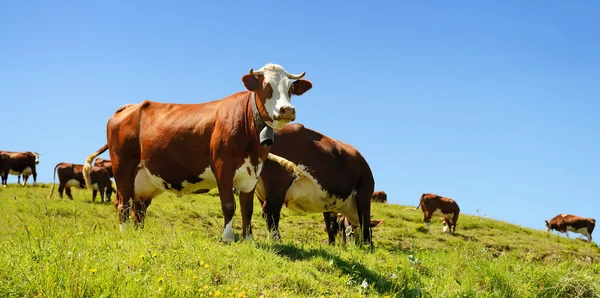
x: 138, y: 211
x: 247, y: 207
x: 363, y: 206
x: 567, y: 234
x: 125, y: 172
x: 331, y: 225
x: 426, y: 220
x: 4, y: 178
x: 61, y: 188
x: 68, y: 191
x: 19, y: 179
x: 454, y: 221
x: 446, y: 227
x: 272, y: 213
x: 25, y: 179
x: 34, y: 174
x: 94, y: 193
x: 224, y: 173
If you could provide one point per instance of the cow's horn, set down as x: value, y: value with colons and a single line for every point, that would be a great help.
x: 255, y: 73
x: 296, y: 77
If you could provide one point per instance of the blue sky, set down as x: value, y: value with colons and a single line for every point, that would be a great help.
x: 493, y: 103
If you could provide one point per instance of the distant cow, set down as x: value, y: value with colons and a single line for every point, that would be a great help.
x: 189, y: 148
x: 71, y: 175
x: 105, y: 163
x: 566, y: 222
x: 379, y: 197
x: 347, y: 230
x: 446, y: 208
x: 19, y: 163
x: 336, y: 178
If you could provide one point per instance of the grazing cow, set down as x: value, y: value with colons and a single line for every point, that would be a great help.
x: 19, y: 163
x: 566, y: 222
x: 379, y: 197
x: 105, y: 163
x: 345, y: 228
x: 335, y: 179
x: 446, y: 208
x: 71, y: 175
x: 190, y: 148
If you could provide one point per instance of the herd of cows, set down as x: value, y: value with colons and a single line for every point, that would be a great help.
x: 241, y: 143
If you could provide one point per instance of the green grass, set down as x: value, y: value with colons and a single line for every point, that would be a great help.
x: 63, y: 248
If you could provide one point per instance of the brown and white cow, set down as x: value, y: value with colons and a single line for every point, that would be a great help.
x: 19, y: 163
x: 105, y: 163
x: 567, y: 222
x: 379, y: 197
x: 335, y: 179
x: 446, y: 208
x: 71, y: 175
x: 189, y: 148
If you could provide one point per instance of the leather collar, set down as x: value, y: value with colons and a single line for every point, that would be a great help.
x: 266, y: 135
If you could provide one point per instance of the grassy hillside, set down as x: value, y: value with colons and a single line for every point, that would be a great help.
x: 68, y: 248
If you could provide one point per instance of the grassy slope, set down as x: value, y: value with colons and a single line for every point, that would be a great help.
x: 74, y: 248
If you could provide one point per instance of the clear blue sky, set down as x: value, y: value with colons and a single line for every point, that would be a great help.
x: 493, y: 103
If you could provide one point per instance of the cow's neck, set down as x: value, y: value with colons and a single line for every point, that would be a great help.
x: 266, y: 137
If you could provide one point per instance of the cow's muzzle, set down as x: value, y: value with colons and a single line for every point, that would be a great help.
x: 286, y: 114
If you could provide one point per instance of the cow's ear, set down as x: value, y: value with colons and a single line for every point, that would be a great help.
x: 376, y: 223
x: 251, y: 82
x: 301, y: 86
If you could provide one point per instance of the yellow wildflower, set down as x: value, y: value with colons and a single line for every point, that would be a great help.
x: 205, y: 287
x: 206, y: 266
x: 93, y: 270
x: 154, y: 255
x: 169, y: 274
x: 217, y: 293
x: 195, y: 277
x: 160, y: 279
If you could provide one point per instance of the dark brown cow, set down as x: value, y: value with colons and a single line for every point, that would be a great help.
x: 189, y: 148
x: 71, y: 175
x: 446, y: 208
x: 105, y: 163
x: 335, y: 179
x: 379, y: 197
x: 566, y: 222
x: 19, y: 163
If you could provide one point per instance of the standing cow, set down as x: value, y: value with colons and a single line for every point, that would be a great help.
x: 446, y: 208
x: 19, y: 163
x: 336, y: 179
x: 567, y: 222
x: 105, y: 163
x: 190, y: 148
x: 71, y: 175
x: 379, y: 197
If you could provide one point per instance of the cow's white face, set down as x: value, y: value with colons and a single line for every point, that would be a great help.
x: 276, y: 90
x: 279, y: 106
x: 37, y: 157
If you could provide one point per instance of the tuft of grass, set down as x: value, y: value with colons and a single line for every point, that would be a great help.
x: 52, y: 247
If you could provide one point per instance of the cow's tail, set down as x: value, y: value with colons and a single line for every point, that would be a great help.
x: 87, y: 168
x: 289, y: 166
x: 418, y: 205
x: 53, y: 181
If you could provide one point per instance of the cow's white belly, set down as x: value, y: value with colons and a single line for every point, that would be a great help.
x: 148, y: 185
x: 26, y: 172
x: 306, y: 195
x: 580, y: 230
x: 438, y: 212
x: 72, y: 183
